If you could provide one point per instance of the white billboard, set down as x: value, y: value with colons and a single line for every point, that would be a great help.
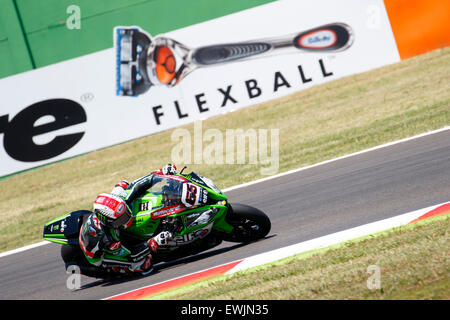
x: 71, y: 107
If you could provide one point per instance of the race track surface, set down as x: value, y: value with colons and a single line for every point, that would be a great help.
x: 304, y: 205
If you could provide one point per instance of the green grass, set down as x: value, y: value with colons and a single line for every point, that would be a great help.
x: 413, y: 262
x: 320, y: 123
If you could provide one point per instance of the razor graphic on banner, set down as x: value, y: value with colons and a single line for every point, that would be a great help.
x: 143, y: 61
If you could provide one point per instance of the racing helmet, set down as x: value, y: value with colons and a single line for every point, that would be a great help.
x: 112, y: 211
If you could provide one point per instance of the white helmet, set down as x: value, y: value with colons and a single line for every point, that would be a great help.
x: 112, y: 211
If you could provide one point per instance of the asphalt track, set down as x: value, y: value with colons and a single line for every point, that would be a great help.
x: 303, y: 205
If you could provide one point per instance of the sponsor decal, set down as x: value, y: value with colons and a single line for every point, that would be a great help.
x: 193, y: 179
x: 189, y: 237
x: 203, y: 196
x: 318, y: 39
x: 115, y: 246
x: 172, y: 177
x: 63, y: 226
x: 120, y: 209
x: 167, y: 211
x: 145, y: 206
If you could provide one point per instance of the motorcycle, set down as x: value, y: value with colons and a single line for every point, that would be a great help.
x: 190, y: 206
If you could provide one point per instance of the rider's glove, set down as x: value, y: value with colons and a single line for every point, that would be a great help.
x: 169, y: 169
x: 163, y: 238
x: 160, y: 240
x: 123, y: 183
x: 120, y: 187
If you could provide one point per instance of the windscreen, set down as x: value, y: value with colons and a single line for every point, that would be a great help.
x: 168, y: 188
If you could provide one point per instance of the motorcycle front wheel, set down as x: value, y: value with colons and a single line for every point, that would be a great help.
x: 250, y: 224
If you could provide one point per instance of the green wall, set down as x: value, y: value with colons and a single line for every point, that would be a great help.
x: 14, y: 55
x: 33, y: 33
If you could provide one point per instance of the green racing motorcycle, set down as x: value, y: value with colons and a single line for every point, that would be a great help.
x: 190, y: 206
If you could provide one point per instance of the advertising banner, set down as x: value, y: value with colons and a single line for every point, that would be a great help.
x: 242, y: 59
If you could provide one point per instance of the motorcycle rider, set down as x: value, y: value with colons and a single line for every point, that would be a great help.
x: 100, y: 233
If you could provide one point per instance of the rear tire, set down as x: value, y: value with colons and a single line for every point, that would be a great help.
x: 73, y: 256
x: 71, y: 253
x: 250, y: 224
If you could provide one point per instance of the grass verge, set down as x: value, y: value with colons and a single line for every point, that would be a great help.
x: 413, y: 261
x: 323, y: 122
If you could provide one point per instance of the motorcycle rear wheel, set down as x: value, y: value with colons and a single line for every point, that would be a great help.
x: 73, y: 256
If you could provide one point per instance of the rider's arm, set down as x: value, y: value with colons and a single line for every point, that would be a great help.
x: 138, y: 187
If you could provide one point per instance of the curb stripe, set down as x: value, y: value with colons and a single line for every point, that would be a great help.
x: 444, y: 209
x: 151, y: 290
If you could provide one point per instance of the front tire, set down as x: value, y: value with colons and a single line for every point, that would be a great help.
x: 250, y: 224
